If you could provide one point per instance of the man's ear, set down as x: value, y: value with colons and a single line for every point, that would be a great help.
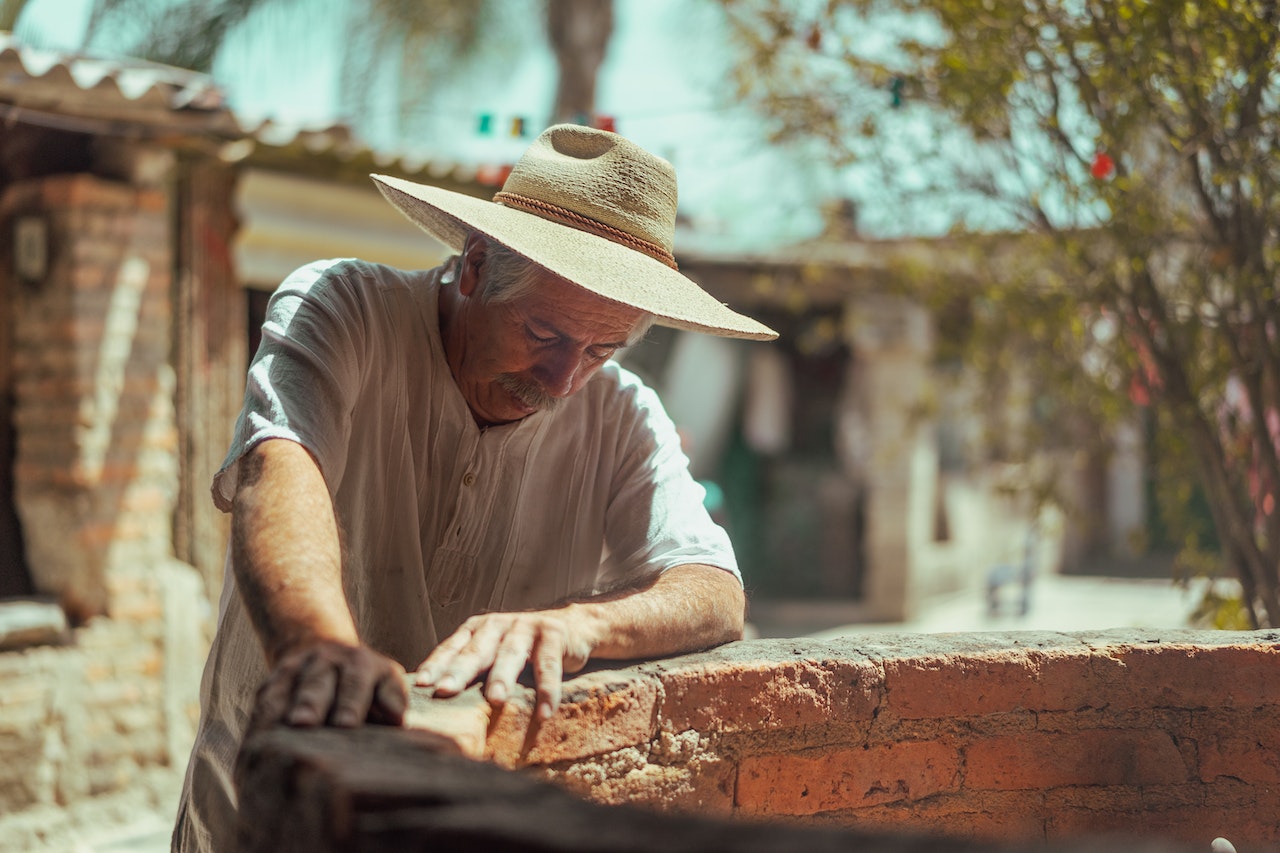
x: 469, y: 264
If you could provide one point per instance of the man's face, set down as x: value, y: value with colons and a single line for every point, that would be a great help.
x: 511, y: 359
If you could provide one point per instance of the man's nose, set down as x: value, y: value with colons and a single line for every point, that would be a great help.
x: 558, y: 371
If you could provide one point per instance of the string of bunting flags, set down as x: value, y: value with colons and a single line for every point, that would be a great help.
x: 519, y: 127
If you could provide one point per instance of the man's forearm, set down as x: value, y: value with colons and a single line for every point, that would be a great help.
x: 288, y: 564
x: 286, y: 552
x: 685, y: 608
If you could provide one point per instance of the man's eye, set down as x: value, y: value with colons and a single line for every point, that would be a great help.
x: 539, y: 338
x: 601, y: 354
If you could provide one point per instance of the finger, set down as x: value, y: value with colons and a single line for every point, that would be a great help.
x: 353, y: 695
x: 548, y: 665
x: 442, y: 655
x: 313, y: 693
x: 509, y: 661
x: 273, y: 698
x: 475, y: 657
x: 390, y: 701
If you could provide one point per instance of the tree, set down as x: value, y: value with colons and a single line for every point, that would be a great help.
x: 9, y: 12
x: 579, y: 32
x: 426, y: 44
x: 1136, y: 145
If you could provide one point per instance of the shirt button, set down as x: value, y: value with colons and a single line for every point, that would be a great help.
x: 468, y: 479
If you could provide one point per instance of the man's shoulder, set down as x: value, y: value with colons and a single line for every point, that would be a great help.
x: 613, y: 378
x: 351, y: 287
x: 615, y: 388
x: 355, y: 271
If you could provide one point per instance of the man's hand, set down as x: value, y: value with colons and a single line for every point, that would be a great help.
x: 554, y: 641
x: 331, y: 683
x: 684, y: 608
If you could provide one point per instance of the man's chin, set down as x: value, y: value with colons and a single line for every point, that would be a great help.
x: 507, y: 409
x: 523, y: 411
x: 525, y: 399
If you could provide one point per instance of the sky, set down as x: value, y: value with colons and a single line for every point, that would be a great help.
x: 663, y: 81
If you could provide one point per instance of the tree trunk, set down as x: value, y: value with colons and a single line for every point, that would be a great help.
x: 579, y: 32
x: 9, y: 12
x: 1231, y: 514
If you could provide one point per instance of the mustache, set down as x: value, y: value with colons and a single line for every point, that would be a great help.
x: 528, y: 392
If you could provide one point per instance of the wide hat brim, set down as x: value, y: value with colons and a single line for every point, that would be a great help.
x: 594, y: 263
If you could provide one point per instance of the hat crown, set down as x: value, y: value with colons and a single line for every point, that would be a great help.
x: 601, y: 176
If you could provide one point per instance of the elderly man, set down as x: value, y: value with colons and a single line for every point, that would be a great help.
x: 447, y: 464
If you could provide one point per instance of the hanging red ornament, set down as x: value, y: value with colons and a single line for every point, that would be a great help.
x: 1103, y: 166
x: 493, y: 174
x: 814, y: 39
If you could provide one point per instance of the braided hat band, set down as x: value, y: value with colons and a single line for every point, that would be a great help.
x: 547, y: 210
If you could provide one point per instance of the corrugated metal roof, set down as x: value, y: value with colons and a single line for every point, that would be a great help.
x: 111, y: 90
x: 136, y: 98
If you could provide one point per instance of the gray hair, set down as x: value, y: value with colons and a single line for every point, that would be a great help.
x: 509, y: 275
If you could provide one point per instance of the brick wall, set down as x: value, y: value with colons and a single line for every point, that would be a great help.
x: 95, y: 478
x: 996, y: 738
x: 96, y: 466
x: 381, y: 790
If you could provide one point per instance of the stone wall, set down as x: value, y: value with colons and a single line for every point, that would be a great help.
x: 97, y: 730
x: 95, y: 478
x: 995, y: 738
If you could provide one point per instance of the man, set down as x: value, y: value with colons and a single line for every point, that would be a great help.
x: 446, y: 464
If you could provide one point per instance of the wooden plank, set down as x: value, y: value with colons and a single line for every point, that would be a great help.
x: 210, y: 346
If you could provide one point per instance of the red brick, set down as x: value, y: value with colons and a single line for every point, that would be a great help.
x: 146, y: 500
x: 820, y: 780
x: 756, y: 695
x: 1191, y: 824
x: 1004, y: 817
x: 21, y: 196
x: 84, y: 191
x: 1123, y: 676
x: 996, y: 682
x: 598, y: 714
x: 1182, y: 676
x: 1251, y: 755
x: 1111, y: 797
x: 1042, y: 760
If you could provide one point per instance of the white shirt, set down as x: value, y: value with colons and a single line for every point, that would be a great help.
x: 441, y: 519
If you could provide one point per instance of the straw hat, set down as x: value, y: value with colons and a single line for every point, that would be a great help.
x: 592, y: 207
